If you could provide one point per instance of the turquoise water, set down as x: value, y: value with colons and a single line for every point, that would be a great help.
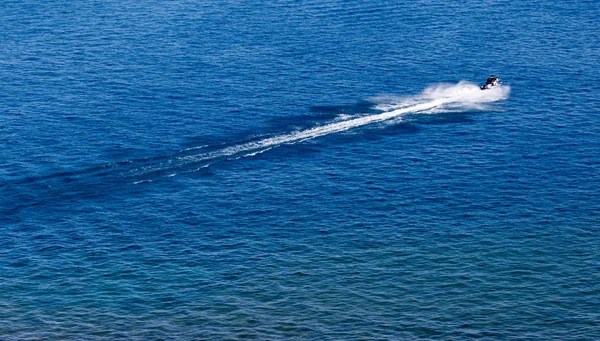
x: 291, y: 170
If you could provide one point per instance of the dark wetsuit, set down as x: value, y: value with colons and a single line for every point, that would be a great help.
x: 490, y: 81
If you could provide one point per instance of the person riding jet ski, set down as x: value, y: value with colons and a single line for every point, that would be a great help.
x: 491, y: 82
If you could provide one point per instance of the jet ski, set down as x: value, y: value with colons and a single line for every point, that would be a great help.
x: 492, y: 82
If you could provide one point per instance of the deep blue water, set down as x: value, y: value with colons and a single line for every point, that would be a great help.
x: 299, y: 170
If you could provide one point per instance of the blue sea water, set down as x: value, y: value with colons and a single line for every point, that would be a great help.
x: 291, y: 170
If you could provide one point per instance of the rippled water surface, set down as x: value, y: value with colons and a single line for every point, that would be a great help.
x: 202, y: 170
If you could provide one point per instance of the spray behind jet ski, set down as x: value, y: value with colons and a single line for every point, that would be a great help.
x: 492, y: 82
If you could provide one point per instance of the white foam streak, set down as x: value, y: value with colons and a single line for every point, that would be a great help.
x: 308, y: 134
x: 437, y: 98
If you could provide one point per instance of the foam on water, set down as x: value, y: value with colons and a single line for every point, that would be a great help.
x: 461, y: 96
x: 434, y: 99
x: 390, y: 110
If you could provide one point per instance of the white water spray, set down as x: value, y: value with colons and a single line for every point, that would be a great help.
x: 435, y: 99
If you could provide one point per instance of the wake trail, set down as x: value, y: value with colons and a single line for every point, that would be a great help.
x: 438, y: 98
x: 258, y: 147
x: 104, y: 179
